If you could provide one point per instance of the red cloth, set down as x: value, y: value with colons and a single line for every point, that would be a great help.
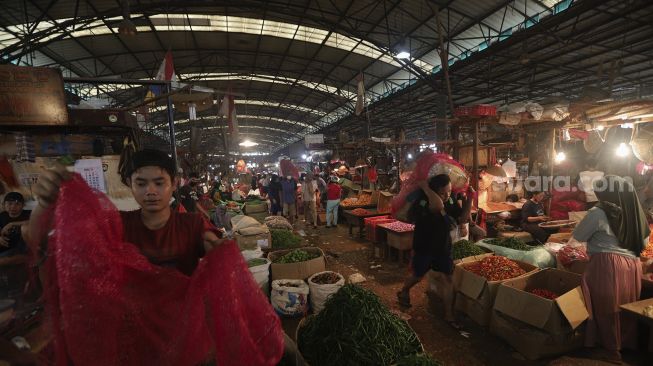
x: 179, y: 244
x: 372, y: 175
x: 109, y: 305
x: 333, y: 191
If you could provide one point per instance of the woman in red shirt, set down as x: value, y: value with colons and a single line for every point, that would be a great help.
x: 334, y: 191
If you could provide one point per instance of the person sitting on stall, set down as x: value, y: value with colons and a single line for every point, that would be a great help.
x: 289, y: 198
x: 334, y: 192
x: 616, y: 232
x: 165, y: 237
x: 436, y: 215
x: 13, y: 250
x: 532, y: 213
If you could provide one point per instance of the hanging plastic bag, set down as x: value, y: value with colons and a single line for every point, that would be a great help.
x: 109, y: 305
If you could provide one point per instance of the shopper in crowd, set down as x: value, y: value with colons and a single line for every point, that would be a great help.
x: 289, y: 198
x: 13, y: 250
x: 586, y: 182
x: 322, y: 187
x: 309, y: 190
x: 435, y: 215
x: 274, y: 194
x: 532, y: 214
x: 189, y: 193
x: 334, y: 192
x: 616, y: 232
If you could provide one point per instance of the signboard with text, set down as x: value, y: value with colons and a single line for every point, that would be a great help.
x: 32, y: 95
x: 314, y: 141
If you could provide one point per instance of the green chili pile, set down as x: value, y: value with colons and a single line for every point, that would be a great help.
x: 465, y: 248
x: 295, y: 256
x: 512, y: 243
x: 284, y: 239
x: 420, y: 359
x: 256, y: 262
x: 355, y: 328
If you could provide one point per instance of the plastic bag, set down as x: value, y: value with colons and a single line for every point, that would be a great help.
x: 290, y: 297
x: 252, y: 254
x: 261, y: 275
x: 539, y: 257
x: 241, y: 222
x: 567, y: 255
x: 320, y: 292
x: 109, y: 306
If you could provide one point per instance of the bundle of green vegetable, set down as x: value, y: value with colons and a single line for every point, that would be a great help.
x: 355, y: 328
x: 256, y: 262
x: 284, y: 239
x: 420, y: 359
x: 512, y: 243
x: 297, y: 255
x: 465, y: 248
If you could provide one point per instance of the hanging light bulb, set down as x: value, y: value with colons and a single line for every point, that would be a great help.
x: 623, y: 150
x: 560, y: 157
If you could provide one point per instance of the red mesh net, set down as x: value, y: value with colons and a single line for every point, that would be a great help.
x: 109, y: 306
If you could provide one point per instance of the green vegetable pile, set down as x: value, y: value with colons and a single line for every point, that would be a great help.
x: 420, y: 359
x: 465, y: 248
x: 256, y: 262
x: 355, y: 328
x: 512, y: 243
x: 284, y: 239
x: 297, y: 255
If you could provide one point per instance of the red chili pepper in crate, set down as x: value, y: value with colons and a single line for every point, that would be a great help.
x: 495, y: 268
x: 544, y: 293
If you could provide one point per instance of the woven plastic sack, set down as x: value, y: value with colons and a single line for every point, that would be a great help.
x: 539, y: 257
x: 321, y: 292
x: 428, y: 165
x: 109, y: 306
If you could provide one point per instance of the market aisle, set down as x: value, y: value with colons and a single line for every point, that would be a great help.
x: 350, y: 255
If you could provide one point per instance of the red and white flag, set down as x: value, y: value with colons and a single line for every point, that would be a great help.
x: 360, y: 97
x: 228, y: 109
x: 167, y: 69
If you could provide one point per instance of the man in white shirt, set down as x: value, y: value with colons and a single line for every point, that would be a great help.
x: 309, y: 187
x: 586, y: 181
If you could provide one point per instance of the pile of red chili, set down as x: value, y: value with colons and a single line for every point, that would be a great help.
x: 544, y: 293
x: 360, y: 212
x: 495, y: 268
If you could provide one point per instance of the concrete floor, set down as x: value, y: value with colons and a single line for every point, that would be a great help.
x: 476, y: 346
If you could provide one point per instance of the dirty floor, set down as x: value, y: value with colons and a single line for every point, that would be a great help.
x: 472, y: 346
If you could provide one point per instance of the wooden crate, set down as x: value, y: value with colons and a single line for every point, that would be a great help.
x: 401, y: 241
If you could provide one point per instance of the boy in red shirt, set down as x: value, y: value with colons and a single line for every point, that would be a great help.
x: 334, y: 191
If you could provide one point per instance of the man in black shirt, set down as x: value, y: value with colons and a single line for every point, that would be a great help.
x: 532, y: 213
x: 13, y: 250
x: 188, y: 193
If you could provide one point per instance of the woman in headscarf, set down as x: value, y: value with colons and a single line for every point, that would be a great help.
x: 616, y: 231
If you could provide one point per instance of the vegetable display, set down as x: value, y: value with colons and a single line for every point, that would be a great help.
x: 284, y: 239
x: 420, y: 359
x: 256, y: 262
x: 399, y: 226
x: 297, y: 255
x: 465, y: 248
x: 361, y: 212
x: 364, y: 200
x: 355, y: 328
x: 648, y: 251
x: 512, y: 243
x: 495, y: 268
x: 544, y: 293
x: 326, y: 278
x: 567, y: 255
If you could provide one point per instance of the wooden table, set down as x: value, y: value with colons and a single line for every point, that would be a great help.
x: 402, y: 241
x: 359, y: 220
x: 636, y: 308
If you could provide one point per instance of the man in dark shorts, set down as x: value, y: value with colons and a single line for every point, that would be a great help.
x: 435, y: 215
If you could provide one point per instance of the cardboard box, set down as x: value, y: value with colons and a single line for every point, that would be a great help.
x: 401, y: 241
x: 374, y: 195
x: 534, y: 343
x: 539, y: 327
x: 384, y: 203
x: 250, y: 242
x: 474, y: 258
x: 475, y: 294
x: 296, y: 271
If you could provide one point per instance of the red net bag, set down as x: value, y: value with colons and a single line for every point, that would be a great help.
x: 567, y: 255
x: 109, y: 306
